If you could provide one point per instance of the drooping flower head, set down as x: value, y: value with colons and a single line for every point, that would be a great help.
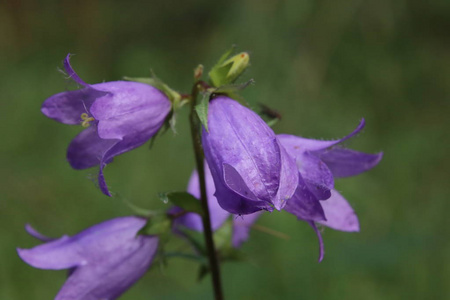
x: 104, y: 260
x: 318, y: 163
x: 120, y: 116
x: 241, y: 224
x: 250, y: 168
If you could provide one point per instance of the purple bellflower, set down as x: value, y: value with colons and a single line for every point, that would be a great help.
x: 104, y: 260
x: 241, y: 224
x: 318, y: 163
x: 251, y: 169
x: 120, y: 116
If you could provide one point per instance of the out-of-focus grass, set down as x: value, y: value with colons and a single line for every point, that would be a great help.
x: 322, y: 64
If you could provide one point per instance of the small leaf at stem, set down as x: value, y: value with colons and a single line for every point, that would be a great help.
x: 202, y: 110
x: 183, y: 200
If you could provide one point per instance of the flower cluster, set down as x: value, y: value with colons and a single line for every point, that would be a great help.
x: 248, y: 170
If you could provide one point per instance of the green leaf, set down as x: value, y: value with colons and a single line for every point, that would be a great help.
x: 183, y: 200
x: 202, y: 110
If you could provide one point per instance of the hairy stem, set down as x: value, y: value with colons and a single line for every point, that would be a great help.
x: 207, y: 230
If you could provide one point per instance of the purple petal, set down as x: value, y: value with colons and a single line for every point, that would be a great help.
x: 304, y: 205
x: 217, y: 215
x: 67, y: 252
x: 316, y: 175
x: 234, y: 181
x: 36, y: 234
x: 105, y: 259
x: 319, y: 236
x: 67, y: 107
x: 241, y: 228
x: 55, y: 255
x: 339, y: 213
x: 130, y: 108
x: 70, y: 71
x: 297, y: 145
x: 87, y: 149
x: 128, y: 143
x: 288, y: 179
x: 101, y: 181
x: 112, y: 273
x: 346, y: 162
x: 240, y: 139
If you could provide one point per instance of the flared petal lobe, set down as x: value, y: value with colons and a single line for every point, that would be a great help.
x: 67, y: 107
x: 346, y: 162
x: 296, y: 145
x: 304, y: 204
x: 245, y: 159
x: 339, y: 214
x: 107, y: 258
x: 87, y: 149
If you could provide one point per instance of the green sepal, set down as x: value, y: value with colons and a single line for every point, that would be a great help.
x: 202, y: 110
x: 141, y: 212
x: 183, y: 200
x: 272, y: 122
x: 159, y: 224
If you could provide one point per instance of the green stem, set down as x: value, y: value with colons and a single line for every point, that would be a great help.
x: 207, y: 230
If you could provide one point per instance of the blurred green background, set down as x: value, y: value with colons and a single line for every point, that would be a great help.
x: 322, y: 64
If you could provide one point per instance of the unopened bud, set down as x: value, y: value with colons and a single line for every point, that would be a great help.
x: 227, y: 70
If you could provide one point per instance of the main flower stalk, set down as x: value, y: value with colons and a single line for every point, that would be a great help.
x: 207, y: 229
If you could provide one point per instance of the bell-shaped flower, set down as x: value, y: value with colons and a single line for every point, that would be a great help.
x: 318, y: 163
x: 104, y: 260
x: 241, y: 224
x: 120, y: 116
x: 251, y: 169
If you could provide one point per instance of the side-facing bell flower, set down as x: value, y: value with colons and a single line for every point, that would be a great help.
x: 120, y: 116
x: 241, y: 224
x: 318, y: 163
x: 251, y: 169
x: 104, y: 260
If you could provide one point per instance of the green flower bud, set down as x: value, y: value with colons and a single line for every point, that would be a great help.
x: 227, y: 70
